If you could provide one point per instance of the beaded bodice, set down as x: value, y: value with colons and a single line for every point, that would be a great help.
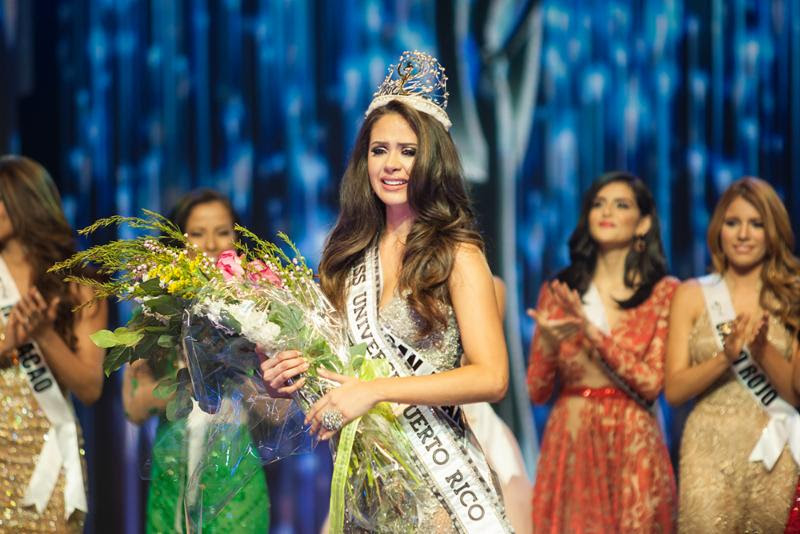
x: 441, y: 348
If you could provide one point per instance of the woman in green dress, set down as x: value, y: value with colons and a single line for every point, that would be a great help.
x: 207, y: 218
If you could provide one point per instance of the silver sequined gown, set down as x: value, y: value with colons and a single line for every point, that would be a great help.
x: 443, y: 350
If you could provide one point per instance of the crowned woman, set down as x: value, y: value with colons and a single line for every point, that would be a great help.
x: 406, y: 267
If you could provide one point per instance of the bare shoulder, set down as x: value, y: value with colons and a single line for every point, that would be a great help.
x: 469, y: 256
x: 469, y: 251
x: 469, y: 263
x: 689, y: 289
x: 688, y: 299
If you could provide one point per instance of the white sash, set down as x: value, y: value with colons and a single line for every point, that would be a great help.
x: 594, y: 310
x: 784, y: 421
x: 60, y: 447
x: 435, y: 433
x: 596, y: 314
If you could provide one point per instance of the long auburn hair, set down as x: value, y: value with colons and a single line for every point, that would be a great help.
x: 780, y: 289
x: 443, y: 218
x: 33, y: 205
x: 643, y: 269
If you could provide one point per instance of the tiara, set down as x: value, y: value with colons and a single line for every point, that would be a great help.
x: 419, y: 81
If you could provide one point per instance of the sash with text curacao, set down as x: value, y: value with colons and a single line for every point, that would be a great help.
x: 60, y: 449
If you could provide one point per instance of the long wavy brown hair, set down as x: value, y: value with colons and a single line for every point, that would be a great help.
x: 34, y: 209
x: 780, y: 290
x: 443, y: 218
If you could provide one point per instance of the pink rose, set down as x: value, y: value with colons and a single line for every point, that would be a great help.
x: 230, y: 264
x: 260, y: 271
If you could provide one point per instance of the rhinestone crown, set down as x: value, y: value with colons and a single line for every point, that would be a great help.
x: 419, y: 81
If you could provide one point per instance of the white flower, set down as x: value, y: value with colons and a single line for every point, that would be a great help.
x: 254, y: 323
x: 210, y: 308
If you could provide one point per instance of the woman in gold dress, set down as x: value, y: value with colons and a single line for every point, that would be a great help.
x: 733, y: 478
x: 45, y: 354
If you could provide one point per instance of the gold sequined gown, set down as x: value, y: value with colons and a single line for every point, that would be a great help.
x: 23, y: 426
x: 719, y: 489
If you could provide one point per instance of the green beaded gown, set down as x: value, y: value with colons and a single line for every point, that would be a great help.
x: 248, y: 510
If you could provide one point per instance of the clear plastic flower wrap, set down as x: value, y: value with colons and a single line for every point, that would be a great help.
x: 233, y: 427
x: 374, y: 472
x: 197, y: 326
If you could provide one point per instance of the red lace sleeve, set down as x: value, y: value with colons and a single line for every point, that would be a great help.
x: 542, y: 364
x: 636, y: 353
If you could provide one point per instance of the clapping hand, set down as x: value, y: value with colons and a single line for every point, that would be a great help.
x: 759, y: 341
x: 574, y: 320
x: 745, y: 330
x: 561, y: 329
x: 555, y: 330
x: 30, y: 317
x: 568, y: 300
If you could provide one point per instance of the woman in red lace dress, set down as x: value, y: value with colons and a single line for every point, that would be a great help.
x: 601, y: 331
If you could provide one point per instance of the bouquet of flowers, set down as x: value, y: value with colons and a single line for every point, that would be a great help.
x: 211, y: 316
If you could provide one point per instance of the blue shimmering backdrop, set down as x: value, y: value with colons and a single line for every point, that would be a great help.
x: 130, y: 103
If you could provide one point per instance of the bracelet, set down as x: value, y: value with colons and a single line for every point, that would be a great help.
x: 12, y: 355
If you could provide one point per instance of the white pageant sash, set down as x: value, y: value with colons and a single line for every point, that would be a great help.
x: 596, y: 313
x: 594, y: 310
x: 60, y: 447
x: 784, y: 421
x: 434, y: 433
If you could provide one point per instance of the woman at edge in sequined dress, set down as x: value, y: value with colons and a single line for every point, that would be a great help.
x: 793, y: 523
x: 405, y: 216
x: 208, y: 219
x: 721, y: 490
x: 601, y: 328
x: 34, y: 234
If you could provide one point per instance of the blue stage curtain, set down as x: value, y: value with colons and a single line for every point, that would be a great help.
x: 130, y: 103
